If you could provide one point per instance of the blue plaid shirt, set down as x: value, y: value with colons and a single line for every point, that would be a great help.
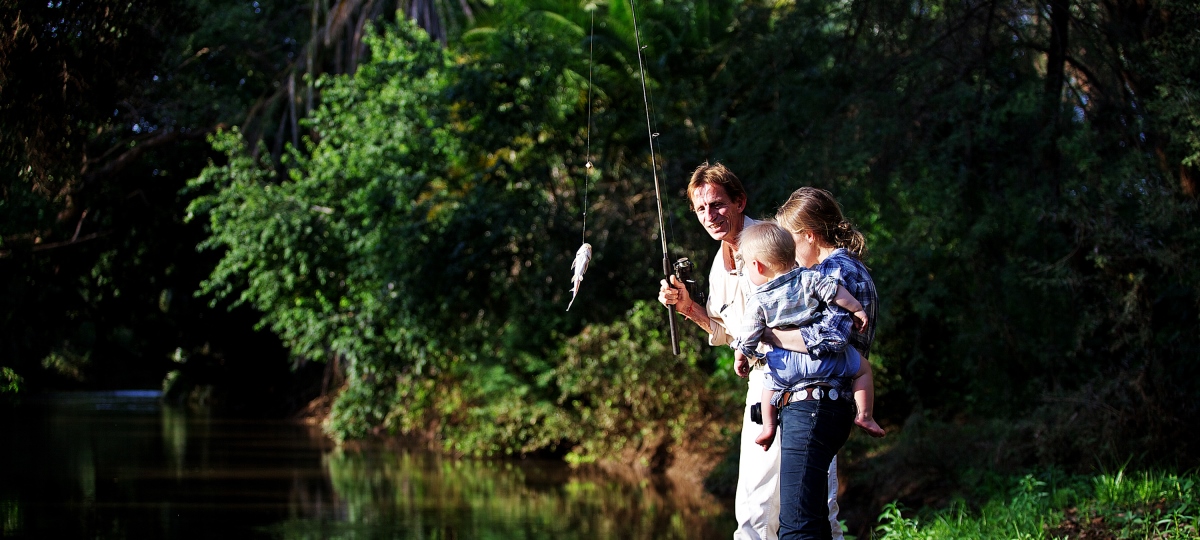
x: 797, y: 298
x: 828, y: 337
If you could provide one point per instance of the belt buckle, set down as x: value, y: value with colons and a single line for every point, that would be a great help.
x: 815, y: 393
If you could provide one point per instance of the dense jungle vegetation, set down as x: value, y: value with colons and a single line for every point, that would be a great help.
x: 379, y: 202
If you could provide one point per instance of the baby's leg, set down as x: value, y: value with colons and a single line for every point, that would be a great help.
x: 864, y: 399
x: 767, y: 436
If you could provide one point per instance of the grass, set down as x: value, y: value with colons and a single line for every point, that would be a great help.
x: 1148, y: 505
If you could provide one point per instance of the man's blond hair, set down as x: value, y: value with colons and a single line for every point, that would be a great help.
x: 770, y: 244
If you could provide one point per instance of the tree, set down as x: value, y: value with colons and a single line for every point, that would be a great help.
x: 105, y: 110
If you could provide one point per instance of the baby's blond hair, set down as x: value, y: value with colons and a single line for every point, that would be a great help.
x: 770, y: 244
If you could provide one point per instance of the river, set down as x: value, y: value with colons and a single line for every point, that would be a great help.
x: 122, y: 465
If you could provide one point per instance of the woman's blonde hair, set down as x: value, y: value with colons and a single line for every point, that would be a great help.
x: 770, y: 244
x: 814, y: 209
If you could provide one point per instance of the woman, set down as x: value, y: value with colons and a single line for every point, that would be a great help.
x: 817, y: 421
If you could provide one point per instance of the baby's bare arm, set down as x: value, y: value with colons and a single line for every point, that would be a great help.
x: 848, y: 302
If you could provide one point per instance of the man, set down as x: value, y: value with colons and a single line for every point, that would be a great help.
x: 719, y: 201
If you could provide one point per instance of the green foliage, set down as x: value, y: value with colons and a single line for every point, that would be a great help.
x: 341, y: 256
x: 1149, y: 504
x: 625, y: 390
x: 10, y: 381
x: 66, y: 364
x: 324, y: 255
x: 1155, y: 505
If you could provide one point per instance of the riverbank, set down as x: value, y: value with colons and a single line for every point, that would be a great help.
x: 688, y: 467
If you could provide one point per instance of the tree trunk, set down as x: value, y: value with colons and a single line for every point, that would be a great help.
x: 1056, y: 60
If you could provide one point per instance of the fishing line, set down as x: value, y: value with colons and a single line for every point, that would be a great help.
x: 587, y: 172
x: 583, y: 257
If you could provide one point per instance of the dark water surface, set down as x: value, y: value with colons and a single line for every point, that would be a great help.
x: 120, y: 465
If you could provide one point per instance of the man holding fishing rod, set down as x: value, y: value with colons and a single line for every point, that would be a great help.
x: 719, y: 201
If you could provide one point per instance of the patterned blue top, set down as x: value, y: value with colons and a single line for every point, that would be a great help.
x: 828, y: 337
x: 799, y: 297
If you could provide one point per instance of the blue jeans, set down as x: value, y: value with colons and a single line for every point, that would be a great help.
x: 811, y: 433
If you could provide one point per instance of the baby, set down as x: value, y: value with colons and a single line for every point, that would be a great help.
x: 790, y: 295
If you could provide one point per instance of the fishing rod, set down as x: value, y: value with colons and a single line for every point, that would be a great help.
x: 662, y: 228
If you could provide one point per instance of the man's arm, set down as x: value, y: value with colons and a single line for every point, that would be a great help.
x: 697, y: 314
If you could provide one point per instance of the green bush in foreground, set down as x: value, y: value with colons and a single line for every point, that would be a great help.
x: 1147, y: 505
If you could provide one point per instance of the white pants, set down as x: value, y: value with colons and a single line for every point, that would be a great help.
x: 756, y: 505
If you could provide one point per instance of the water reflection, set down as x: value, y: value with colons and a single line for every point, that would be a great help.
x: 418, y: 495
x: 120, y: 465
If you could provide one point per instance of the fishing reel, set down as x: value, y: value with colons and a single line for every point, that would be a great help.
x: 683, y: 272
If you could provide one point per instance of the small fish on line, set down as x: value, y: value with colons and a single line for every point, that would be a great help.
x: 579, y: 266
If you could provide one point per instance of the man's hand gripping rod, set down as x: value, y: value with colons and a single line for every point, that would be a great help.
x: 670, y: 308
x: 682, y: 271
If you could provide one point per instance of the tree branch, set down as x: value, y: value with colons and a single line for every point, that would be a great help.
x: 139, y: 148
x: 6, y: 253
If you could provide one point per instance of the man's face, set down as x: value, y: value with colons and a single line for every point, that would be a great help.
x: 719, y: 215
